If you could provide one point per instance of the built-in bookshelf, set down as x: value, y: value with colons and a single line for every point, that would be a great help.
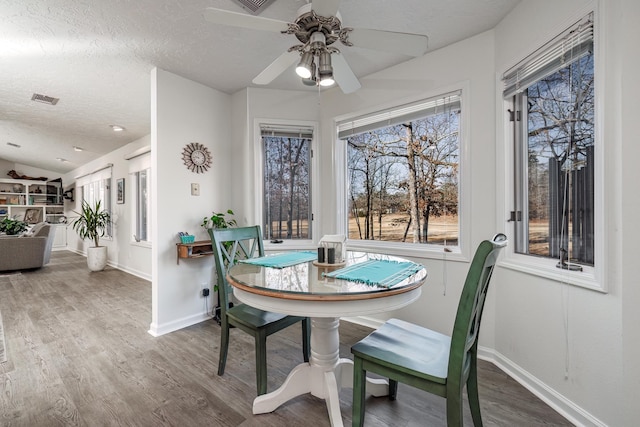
x: 32, y: 201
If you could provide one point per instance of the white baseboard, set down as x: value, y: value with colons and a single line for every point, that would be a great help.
x: 557, y: 401
x: 133, y: 272
x: 369, y: 322
x: 158, y: 330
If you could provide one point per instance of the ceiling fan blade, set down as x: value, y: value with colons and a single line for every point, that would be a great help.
x: 325, y: 8
x: 276, y: 68
x: 389, y: 41
x: 343, y: 75
x: 235, y: 19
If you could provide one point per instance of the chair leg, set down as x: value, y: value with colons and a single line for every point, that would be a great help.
x: 306, y: 338
x: 472, y: 393
x: 393, y: 389
x: 224, y: 345
x: 359, y: 387
x: 454, y: 408
x: 261, y: 362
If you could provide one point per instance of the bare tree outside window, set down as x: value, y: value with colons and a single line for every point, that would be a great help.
x: 560, y: 170
x: 287, y: 186
x: 403, y: 179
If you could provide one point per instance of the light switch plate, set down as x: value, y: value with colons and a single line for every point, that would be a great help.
x: 195, y: 189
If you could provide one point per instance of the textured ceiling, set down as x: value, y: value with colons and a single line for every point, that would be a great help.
x: 96, y: 56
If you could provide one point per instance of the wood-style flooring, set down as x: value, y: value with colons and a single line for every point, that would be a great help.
x: 79, y: 355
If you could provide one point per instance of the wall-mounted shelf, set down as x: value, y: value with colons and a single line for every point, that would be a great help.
x: 197, y: 249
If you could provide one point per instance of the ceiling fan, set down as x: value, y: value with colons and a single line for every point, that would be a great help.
x: 317, y: 27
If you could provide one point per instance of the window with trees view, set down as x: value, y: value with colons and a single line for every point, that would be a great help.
x: 552, y: 94
x: 403, y: 173
x: 286, y: 165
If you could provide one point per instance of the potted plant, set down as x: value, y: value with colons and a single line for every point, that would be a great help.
x: 92, y: 224
x: 217, y: 220
x: 12, y: 226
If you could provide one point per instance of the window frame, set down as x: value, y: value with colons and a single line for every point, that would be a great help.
x: 139, y: 160
x: 591, y: 277
x: 292, y: 244
x: 461, y: 252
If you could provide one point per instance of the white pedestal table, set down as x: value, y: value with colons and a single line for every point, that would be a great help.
x: 303, y: 290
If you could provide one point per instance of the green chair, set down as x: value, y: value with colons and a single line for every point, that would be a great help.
x: 229, y: 246
x: 428, y: 360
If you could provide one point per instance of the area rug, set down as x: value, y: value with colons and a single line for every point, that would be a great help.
x: 3, y: 352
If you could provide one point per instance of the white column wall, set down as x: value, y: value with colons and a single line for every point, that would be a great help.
x: 628, y: 89
x: 182, y: 112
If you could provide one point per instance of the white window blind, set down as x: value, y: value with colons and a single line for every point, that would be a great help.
x: 400, y: 114
x: 286, y: 131
x: 575, y: 42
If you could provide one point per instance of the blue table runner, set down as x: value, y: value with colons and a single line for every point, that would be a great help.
x: 282, y: 260
x: 377, y: 272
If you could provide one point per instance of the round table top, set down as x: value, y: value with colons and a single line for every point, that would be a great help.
x: 307, y: 281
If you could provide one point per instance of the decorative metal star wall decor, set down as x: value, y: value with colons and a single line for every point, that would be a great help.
x: 196, y: 157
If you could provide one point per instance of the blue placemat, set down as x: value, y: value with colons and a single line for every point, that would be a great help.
x: 377, y: 272
x: 282, y: 260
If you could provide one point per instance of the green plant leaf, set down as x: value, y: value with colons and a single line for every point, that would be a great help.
x: 92, y: 222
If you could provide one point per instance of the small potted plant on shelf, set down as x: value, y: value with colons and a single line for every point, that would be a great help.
x: 11, y: 227
x: 92, y: 224
x: 217, y: 220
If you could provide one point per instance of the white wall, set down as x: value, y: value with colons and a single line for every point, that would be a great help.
x: 123, y: 252
x: 182, y: 112
x: 564, y: 339
x: 626, y: 80
x: 6, y: 166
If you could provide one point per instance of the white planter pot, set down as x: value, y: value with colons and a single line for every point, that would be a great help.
x: 97, y: 258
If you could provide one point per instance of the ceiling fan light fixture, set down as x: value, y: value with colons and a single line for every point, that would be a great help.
x: 305, y: 66
x: 327, y: 80
x: 325, y: 70
x: 309, y: 82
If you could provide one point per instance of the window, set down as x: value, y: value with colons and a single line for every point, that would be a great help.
x: 140, y: 173
x: 142, y: 180
x: 287, y: 182
x: 552, y: 107
x: 402, y: 173
x: 95, y: 187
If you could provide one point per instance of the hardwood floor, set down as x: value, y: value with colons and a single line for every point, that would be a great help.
x: 79, y: 355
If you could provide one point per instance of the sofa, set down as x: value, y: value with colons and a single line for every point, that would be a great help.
x: 28, y: 251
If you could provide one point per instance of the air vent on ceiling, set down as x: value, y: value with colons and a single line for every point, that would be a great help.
x: 254, y: 6
x: 45, y: 99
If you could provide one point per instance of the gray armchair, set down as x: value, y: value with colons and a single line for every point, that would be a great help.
x: 27, y: 252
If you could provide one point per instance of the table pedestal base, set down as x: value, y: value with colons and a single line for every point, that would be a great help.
x: 323, y: 376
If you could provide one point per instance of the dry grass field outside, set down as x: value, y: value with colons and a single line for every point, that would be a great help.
x: 441, y: 229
